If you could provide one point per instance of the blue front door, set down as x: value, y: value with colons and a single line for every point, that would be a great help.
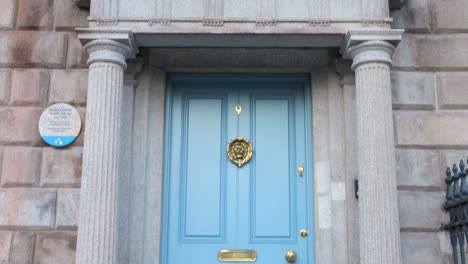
x: 215, y: 211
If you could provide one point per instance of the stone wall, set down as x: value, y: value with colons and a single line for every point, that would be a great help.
x: 41, y: 62
x: 430, y: 100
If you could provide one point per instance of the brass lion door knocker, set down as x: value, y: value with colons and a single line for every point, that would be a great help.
x: 239, y: 151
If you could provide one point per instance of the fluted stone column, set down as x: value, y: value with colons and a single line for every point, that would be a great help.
x: 379, y: 230
x: 98, y: 226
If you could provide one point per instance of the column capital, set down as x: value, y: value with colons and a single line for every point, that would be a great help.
x: 113, y: 46
x: 368, y: 46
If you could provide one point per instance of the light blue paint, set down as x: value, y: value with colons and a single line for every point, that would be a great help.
x: 59, y: 141
x: 272, y: 173
x: 209, y: 203
x: 201, y: 154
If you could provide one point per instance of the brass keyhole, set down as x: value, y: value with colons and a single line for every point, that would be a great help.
x: 304, y: 233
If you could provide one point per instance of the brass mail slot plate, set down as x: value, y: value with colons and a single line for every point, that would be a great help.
x: 228, y: 255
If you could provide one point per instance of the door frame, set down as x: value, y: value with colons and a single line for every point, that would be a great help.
x: 305, y: 78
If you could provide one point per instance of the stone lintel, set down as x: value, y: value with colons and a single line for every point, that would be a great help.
x: 356, y: 37
x: 122, y: 36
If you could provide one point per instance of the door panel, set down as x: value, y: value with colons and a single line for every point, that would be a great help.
x: 202, y: 182
x: 271, y: 173
x: 210, y: 203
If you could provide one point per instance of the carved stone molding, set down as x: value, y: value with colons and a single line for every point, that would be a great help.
x: 266, y: 23
x: 214, y: 13
x: 162, y: 22
x: 213, y: 23
x: 319, y: 23
x: 367, y: 46
x: 104, y: 50
x: 114, y: 40
x: 355, y: 37
x: 373, y: 51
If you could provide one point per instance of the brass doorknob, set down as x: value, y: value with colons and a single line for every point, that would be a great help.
x: 291, y: 256
x: 304, y: 233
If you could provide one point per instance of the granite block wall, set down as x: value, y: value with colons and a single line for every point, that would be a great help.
x: 430, y: 102
x: 41, y: 63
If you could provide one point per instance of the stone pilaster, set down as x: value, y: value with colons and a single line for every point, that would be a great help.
x: 379, y: 233
x: 98, y: 232
x: 135, y: 66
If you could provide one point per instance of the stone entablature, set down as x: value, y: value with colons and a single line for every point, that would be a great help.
x: 240, y: 16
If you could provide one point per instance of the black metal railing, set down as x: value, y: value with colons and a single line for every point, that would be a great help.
x: 457, y: 206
